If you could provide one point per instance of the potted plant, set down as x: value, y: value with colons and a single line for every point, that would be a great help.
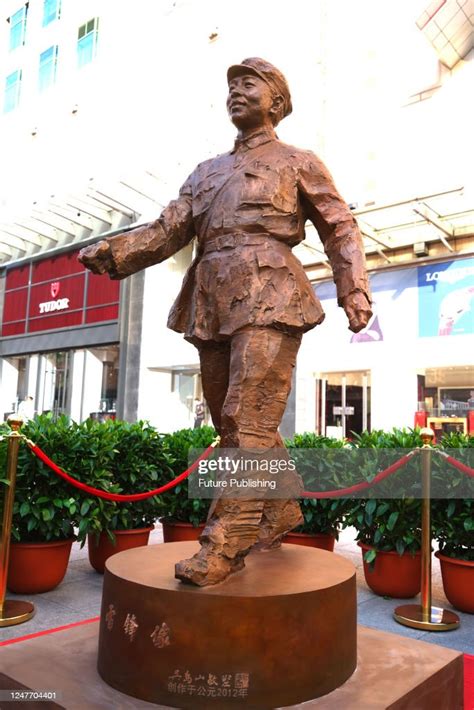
x: 389, y: 535
x: 184, y: 518
x: 322, y: 520
x: 453, y: 525
x: 389, y: 528
x: 44, y: 513
x: 123, y: 458
x: 454, y: 529
x: 322, y: 517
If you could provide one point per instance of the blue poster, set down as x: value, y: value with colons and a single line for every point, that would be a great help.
x: 446, y: 298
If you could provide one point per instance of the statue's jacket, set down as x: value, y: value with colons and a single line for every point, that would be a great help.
x: 247, y: 209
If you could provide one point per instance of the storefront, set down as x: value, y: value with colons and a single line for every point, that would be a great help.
x: 60, y: 339
x: 415, y: 356
x: 415, y: 352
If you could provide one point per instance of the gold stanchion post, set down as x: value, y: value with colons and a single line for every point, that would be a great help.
x: 425, y: 616
x: 12, y: 611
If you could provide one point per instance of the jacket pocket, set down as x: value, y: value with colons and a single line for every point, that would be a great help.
x: 258, y: 186
x: 269, y: 186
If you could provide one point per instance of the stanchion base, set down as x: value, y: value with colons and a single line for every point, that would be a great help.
x: 15, y: 612
x: 440, y: 619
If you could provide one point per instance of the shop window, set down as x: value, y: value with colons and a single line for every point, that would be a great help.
x: 183, y: 385
x: 20, y: 364
x: 22, y: 378
x: 80, y: 387
x: 15, y: 383
x: 51, y: 11
x: 87, y: 40
x: 47, y: 67
x: 108, y: 396
x: 12, y: 91
x: 104, y: 402
x: 17, y: 23
x: 447, y: 391
x: 456, y: 401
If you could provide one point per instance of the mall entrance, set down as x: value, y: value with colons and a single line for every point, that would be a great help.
x: 342, y: 403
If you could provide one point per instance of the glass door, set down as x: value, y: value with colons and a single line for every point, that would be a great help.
x: 343, y: 403
x: 56, y: 383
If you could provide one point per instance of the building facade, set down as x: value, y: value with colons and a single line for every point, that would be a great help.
x: 105, y: 113
x: 64, y: 333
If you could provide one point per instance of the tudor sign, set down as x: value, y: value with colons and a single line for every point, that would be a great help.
x: 59, y: 304
x: 56, y: 292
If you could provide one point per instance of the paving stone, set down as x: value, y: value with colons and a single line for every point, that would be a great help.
x: 461, y: 639
x: 48, y: 615
x: 79, y: 597
x: 79, y: 570
x: 378, y: 614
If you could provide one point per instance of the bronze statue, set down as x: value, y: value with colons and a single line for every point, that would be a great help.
x: 246, y: 301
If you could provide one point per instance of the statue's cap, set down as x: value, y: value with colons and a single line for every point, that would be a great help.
x: 268, y: 73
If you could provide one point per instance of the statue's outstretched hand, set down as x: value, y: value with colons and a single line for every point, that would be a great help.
x: 358, y: 311
x: 98, y: 258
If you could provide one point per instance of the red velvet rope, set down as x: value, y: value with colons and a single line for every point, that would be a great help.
x: 365, y: 484
x: 119, y: 498
x: 457, y: 464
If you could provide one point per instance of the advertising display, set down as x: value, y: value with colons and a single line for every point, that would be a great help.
x: 394, y: 292
x: 56, y: 293
x: 423, y: 301
x: 446, y: 298
x: 415, y: 353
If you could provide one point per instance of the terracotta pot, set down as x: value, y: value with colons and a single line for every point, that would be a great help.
x: 37, y: 567
x: 324, y: 541
x: 458, y: 582
x: 393, y: 575
x: 174, y: 531
x: 124, y: 539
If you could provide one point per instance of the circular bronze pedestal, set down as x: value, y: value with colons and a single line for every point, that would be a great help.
x: 280, y: 632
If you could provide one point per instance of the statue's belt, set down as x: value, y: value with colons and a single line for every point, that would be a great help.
x: 230, y: 241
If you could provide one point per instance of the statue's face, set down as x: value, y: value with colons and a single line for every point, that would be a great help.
x: 249, y: 102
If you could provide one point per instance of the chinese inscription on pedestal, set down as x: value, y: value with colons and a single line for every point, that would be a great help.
x: 161, y: 636
x: 130, y: 626
x: 210, y: 685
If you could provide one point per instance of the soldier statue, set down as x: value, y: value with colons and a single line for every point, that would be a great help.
x: 246, y: 301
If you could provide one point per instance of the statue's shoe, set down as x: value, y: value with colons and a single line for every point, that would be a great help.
x: 206, y: 568
x: 266, y: 544
x: 279, y: 517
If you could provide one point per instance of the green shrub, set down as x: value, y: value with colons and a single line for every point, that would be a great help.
x: 45, y: 506
x: 176, y: 503
x: 453, y: 518
x: 320, y: 515
x: 394, y: 523
x: 124, y: 458
x: 114, y: 456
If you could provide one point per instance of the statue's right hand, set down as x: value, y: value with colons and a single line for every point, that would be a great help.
x: 97, y: 258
